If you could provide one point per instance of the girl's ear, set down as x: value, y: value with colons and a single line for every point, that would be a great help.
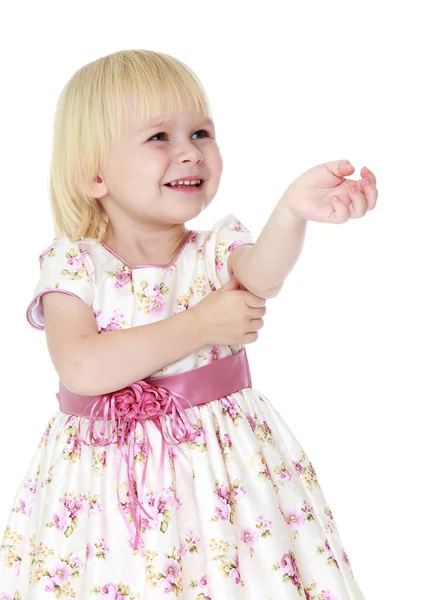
x: 98, y: 187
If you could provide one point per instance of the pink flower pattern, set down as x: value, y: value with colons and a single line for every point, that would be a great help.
x: 109, y: 322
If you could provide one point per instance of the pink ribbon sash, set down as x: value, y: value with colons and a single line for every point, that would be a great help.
x: 153, y: 398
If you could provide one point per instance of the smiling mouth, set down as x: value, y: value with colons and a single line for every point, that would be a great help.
x: 186, y: 186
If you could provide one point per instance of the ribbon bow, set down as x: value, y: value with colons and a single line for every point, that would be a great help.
x: 138, y: 402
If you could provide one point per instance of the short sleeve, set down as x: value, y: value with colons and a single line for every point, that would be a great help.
x: 228, y: 233
x: 66, y: 268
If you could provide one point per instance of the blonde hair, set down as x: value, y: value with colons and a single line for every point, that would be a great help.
x: 91, y: 116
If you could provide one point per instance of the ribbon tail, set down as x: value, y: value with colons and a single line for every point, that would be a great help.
x: 130, y: 460
x: 135, y: 503
x: 182, y: 428
x: 142, y: 485
x: 161, y: 469
x: 122, y: 511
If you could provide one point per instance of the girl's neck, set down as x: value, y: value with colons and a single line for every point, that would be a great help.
x: 139, y: 251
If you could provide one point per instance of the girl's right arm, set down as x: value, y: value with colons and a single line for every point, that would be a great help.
x: 90, y: 363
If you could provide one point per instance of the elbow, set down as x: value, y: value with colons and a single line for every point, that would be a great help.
x: 79, y: 376
x: 250, y: 276
x: 272, y: 292
x: 262, y: 292
x: 76, y: 382
x: 81, y: 387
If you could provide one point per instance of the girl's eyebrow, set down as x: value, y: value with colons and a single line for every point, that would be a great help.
x: 167, y: 121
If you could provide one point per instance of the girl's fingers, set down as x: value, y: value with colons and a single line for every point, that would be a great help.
x: 340, y: 213
x: 361, y: 196
x: 359, y: 202
x: 365, y: 172
x: 371, y: 194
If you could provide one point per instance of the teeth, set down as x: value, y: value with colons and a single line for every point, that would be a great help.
x: 185, y: 182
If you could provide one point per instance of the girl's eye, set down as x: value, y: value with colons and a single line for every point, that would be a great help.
x: 205, y: 131
x: 199, y: 131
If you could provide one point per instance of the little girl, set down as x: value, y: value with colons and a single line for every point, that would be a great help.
x: 164, y: 473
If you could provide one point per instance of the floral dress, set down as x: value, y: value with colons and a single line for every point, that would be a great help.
x: 241, y: 514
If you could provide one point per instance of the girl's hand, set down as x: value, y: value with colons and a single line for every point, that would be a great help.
x: 323, y: 194
x: 230, y: 315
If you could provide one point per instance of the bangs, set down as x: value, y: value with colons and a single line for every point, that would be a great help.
x: 137, y: 87
x: 161, y: 97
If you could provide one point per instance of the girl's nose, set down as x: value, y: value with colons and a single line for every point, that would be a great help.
x: 189, y: 153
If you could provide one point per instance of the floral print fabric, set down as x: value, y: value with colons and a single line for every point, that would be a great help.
x: 242, y: 514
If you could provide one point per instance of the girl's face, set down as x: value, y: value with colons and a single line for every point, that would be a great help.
x: 132, y: 187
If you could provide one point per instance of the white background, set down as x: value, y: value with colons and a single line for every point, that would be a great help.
x: 344, y: 351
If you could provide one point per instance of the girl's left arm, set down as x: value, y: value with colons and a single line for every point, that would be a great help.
x: 263, y: 267
x: 322, y: 194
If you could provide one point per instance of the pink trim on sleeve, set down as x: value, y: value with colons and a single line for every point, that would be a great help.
x: 34, y: 312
